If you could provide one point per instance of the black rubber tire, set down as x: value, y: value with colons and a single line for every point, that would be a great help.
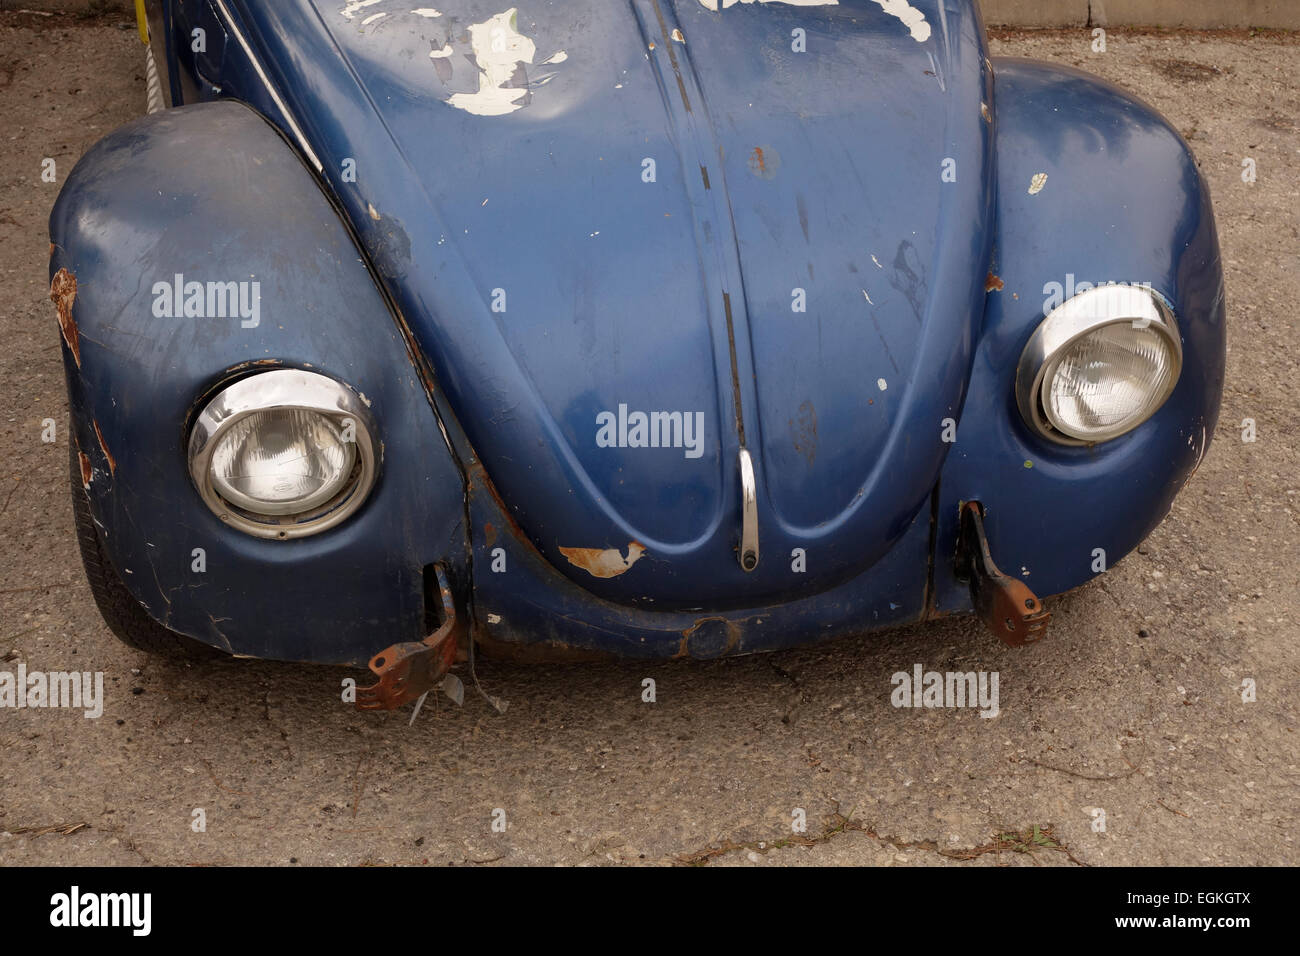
x: 121, y: 612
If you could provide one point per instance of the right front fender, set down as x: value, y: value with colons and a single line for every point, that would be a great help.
x: 213, y: 193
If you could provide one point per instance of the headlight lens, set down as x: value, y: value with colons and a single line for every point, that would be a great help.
x: 1109, y: 381
x: 1099, y: 365
x: 281, y: 461
x: 283, y: 454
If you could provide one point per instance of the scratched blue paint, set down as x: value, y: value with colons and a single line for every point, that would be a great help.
x: 778, y: 174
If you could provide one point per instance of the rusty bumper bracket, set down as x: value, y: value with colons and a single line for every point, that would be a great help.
x: 409, y: 669
x: 1012, y: 612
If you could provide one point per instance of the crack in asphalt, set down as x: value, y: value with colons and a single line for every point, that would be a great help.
x: 1027, y: 842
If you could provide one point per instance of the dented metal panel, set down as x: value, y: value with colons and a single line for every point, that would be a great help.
x: 135, y: 378
x: 588, y: 261
x: 600, y: 268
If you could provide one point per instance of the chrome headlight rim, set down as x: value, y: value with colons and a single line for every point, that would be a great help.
x: 1075, y: 319
x: 284, y: 389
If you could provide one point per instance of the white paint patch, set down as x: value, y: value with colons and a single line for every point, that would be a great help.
x: 876, y: 261
x: 1037, y: 183
x: 713, y: 4
x: 494, y: 618
x: 498, y: 48
x: 912, y: 18
x: 881, y: 384
x: 868, y: 298
x: 372, y: 18
x: 427, y: 12
x: 356, y: 6
x: 446, y: 51
x: 559, y: 56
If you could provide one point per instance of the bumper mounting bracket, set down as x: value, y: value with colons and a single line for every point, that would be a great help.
x: 1007, y: 606
x: 409, y: 669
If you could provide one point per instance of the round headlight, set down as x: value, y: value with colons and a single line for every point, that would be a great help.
x: 283, y: 454
x: 281, y: 461
x: 1099, y: 365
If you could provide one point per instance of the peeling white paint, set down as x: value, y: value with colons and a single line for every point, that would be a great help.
x: 1037, y: 183
x: 881, y: 384
x: 713, y: 4
x: 559, y: 56
x: 677, y: 35
x: 356, y: 6
x: 498, y: 48
x: 446, y: 51
x: 494, y: 618
x: 912, y: 18
x: 868, y: 298
x: 427, y: 12
x: 876, y: 261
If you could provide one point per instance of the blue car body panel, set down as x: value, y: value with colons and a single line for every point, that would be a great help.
x: 471, y: 235
x: 621, y: 293
x: 236, y: 202
x: 1123, y: 202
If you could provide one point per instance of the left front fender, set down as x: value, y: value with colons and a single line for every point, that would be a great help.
x: 1093, y: 186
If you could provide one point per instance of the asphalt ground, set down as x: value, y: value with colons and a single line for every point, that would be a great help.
x: 1133, y: 708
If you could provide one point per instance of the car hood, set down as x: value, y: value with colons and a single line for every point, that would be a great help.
x: 635, y: 238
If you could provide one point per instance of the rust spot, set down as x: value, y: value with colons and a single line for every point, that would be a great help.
x: 86, y: 471
x: 51, y: 250
x: 490, y: 533
x: 710, y: 628
x: 254, y: 363
x: 604, y: 562
x: 112, y: 462
x: 993, y: 283
x: 63, y: 292
x: 764, y: 161
x: 478, y: 478
x: 803, y: 431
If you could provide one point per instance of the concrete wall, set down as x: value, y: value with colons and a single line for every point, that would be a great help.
x: 1195, y: 14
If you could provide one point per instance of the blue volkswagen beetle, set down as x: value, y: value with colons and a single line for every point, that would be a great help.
x: 668, y: 328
